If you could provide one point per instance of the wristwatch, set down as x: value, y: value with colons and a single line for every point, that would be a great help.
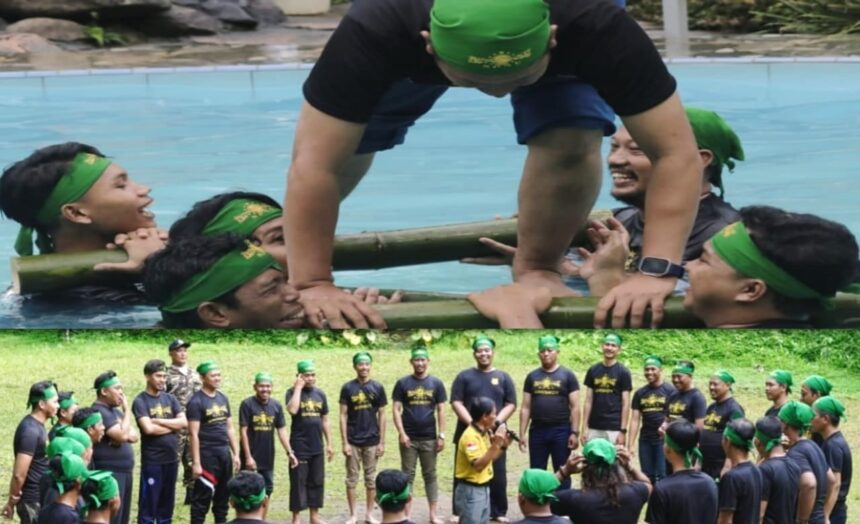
x: 440, y: 436
x: 623, y: 430
x: 660, y: 267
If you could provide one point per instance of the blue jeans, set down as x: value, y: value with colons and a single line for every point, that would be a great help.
x: 545, y: 442
x: 157, y: 493
x: 651, y: 459
x: 473, y: 503
x: 839, y: 514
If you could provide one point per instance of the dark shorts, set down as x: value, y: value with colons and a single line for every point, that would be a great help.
x: 307, y: 483
x: 560, y: 103
x: 268, y: 476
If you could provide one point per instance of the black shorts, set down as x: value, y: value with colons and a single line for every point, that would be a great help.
x: 307, y: 483
x: 268, y: 476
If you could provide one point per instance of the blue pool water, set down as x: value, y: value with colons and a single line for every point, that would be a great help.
x: 190, y: 135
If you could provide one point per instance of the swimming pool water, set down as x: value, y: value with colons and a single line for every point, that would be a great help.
x: 190, y: 135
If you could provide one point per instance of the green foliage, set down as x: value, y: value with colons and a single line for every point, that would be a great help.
x: 103, y: 37
x: 814, y: 16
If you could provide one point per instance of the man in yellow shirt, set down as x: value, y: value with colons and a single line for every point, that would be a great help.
x: 478, y: 447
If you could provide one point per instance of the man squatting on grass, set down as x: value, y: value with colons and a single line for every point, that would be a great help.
x: 382, y: 69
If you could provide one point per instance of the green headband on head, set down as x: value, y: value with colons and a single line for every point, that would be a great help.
x: 263, y: 377
x: 736, y: 439
x: 84, y: 170
x: 66, y: 403
x: 60, y: 445
x: 783, y: 377
x: 829, y: 405
x: 248, y: 502
x: 725, y: 376
x: 612, y: 338
x: 91, y: 420
x: 548, y: 342
x: 796, y: 414
x: 768, y: 442
x: 539, y: 486
x: 420, y: 353
x: 362, y: 357
x: 818, y: 384
x: 392, y: 497
x: 683, y: 368
x: 72, y: 468
x: 715, y: 135
x: 242, y: 216
x: 229, y: 272
x: 654, y: 360
x: 108, y: 382
x: 735, y: 247
x: 306, y: 366
x: 207, y: 366
x: 599, y: 451
x: 489, y: 37
x: 106, y: 488
x: 483, y: 341
x: 691, y: 456
x: 47, y: 394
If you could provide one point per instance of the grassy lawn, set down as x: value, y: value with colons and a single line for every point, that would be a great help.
x: 73, y: 359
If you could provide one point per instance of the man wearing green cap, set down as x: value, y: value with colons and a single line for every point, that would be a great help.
x: 214, y: 446
x: 777, y: 388
x: 550, y: 409
x: 649, y: 408
x: 260, y: 416
x: 248, y: 497
x: 382, y: 69
x: 308, y: 407
x: 68, y: 405
x: 780, y: 475
x: 160, y: 419
x: 28, y: 447
x: 536, y: 492
x: 817, y: 482
x: 687, y: 402
x: 720, y: 412
x: 740, y: 487
x: 182, y: 383
x: 771, y: 269
x: 90, y: 420
x: 813, y: 388
x: 419, y: 405
x: 829, y: 412
x: 67, y: 472
x: 100, y: 493
x: 362, y: 431
x: 74, y: 440
x: 485, y: 381
x: 607, y: 397
x: 114, y: 452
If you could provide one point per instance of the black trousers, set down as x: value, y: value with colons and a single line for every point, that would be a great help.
x: 307, y: 483
x: 219, y: 463
x: 125, y: 480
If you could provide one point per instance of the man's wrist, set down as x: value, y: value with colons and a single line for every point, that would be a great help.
x: 301, y: 285
x: 440, y: 436
x: 574, y: 432
x: 623, y: 431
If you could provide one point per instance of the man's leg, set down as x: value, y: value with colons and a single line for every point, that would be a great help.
x: 646, y: 460
x: 125, y: 480
x: 167, y: 493
x: 559, y: 450
x: 353, y: 462
x: 221, y: 498
x: 150, y: 487
x: 28, y: 511
x: 538, y: 450
x: 368, y: 463
x: 409, y: 460
x: 299, y: 487
x: 499, y: 488
x: 316, y: 486
x: 269, y: 479
x: 427, y: 454
x: 185, y: 459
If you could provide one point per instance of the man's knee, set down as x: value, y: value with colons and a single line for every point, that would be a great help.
x: 568, y: 148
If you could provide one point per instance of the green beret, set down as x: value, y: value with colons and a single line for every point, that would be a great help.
x: 548, y: 342
x: 829, y: 405
x: 362, y: 357
x: 818, y: 384
x: 207, y: 366
x: 483, y: 341
x: 306, y: 366
x: 539, y: 485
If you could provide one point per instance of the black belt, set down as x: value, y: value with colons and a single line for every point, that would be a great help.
x: 469, y: 483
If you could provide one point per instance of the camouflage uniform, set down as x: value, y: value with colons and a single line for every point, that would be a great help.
x: 182, y: 386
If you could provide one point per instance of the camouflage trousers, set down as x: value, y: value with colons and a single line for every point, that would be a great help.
x: 184, y: 453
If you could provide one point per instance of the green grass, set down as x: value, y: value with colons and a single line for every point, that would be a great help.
x: 73, y: 359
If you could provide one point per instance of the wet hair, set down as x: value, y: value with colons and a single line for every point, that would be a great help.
x: 684, y: 433
x: 769, y: 426
x: 607, y: 479
x: 81, y: 415
x: 153, y: 366
x: 107, y: 375
x: 37, y: 390
x: 26, y: 184
x: 246, y: 484
x: 391, y: 481
x: 745, y: 429
x: 167, y: 270
x: 818, y: 252
x: 480, y: 406
x: 193, y: 223
x: 55, y: 466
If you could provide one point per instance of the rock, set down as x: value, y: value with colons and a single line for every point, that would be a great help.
x: 266, y: 12
x: 18, y: 44
x: 228, y: 11
x: 81, y: 9
x: 50, y: 28
x: 180, y: 21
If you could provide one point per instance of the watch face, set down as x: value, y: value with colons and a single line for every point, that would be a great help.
x: 651, y: 265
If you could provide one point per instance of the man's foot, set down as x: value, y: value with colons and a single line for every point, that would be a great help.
x: 370, y: 520
x: 350, y: 520
x: 501, y: 518
x: 453, y: 519
x: 437, y: 520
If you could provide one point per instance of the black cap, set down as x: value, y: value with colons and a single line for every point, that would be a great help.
x: 178, y: 343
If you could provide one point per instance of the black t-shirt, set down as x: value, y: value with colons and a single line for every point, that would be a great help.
x: 651, y: 403
x: 714, y: 214
x: 58, y: 513
x: 740, y: 492
x: 161, y: 449
x: 31, y: 439
x: 107, y: 455
x: 838, y: 456
x: 683, y: 497
x: 780, y: 482
x: 549, y: 519
x: 472, y: 383
x: 306, y: 435
x: 419, y: 398
x: 772, y: 411
x: 593, y: 506
x: 607, y: 384
x: 261, y: 420
x: 809, y: 457
x: 689, y: 405
x: 717, y: 417
x: 212, y: 413
x: 550, y: 391
x: 378, y: 43
x: 362, y: 403
x: 56, y: 428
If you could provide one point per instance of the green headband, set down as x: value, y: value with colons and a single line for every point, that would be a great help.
x: 715, y: 135
x: 548, y: 342
x: 539, y: 486
x: 207, y: 366
x: 60, y: 445
x: 599, y: 452
x: 229, y: 272
x: 108, y: 382
x: 84, y: 170
x: 392, y: 497
x: 106, y: 488
x: 768, y: 442
x: 263, y: 377
x: 734, y: 245
x: 91, y: 420
x: 683, y: 368
x: 481, y: 341
x: 306, y: 366
x: 612, y: 338
x: 818, y: 384
x: 796, y: 414
x: 66, y: 403
x: 830, y: 405
x: 362, y: 357
x: 691, y: 456
x: 782, y: 377
x: 420, y: 353
x: 654, y: 360
x: 242, y: 216
x: 47, y: 394
x: 725, y: 376
x: 736, y: 439
x: 489, y: 37
x: 249, y: 501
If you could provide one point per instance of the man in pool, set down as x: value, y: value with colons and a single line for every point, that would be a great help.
x: 220, y: 282
x: 382, y: 69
